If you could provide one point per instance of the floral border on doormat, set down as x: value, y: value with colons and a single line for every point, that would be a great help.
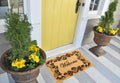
x: 59, y: 76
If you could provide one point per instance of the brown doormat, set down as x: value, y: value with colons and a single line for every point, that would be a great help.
x: 66, y: 65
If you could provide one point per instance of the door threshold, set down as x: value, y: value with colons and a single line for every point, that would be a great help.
x: 60, y: 50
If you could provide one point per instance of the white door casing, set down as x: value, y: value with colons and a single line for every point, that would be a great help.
x: 35, y: 19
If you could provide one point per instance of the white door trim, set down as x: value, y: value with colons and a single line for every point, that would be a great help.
x: 35, y: 18
x: 81, y: 24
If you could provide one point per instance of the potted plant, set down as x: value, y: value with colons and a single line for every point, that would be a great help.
x: 24, y: 58
x: 104, y: 31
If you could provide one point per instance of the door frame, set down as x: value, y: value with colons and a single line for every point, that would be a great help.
x: 35, y: 18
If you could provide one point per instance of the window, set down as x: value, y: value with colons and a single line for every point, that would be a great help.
x: 94, y: 5
x: 3, y: 8
x: 97, y: 8
x: 18, y: 6
x: 5, y: 4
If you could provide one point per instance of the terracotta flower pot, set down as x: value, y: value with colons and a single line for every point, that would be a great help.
x: 100, y: 40
x: 22, y: 77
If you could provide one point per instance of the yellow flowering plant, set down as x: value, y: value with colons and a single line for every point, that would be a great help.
x: 107, y: 20
x: 110, y: 32
x: 24, y: 53
x: 32, y: 60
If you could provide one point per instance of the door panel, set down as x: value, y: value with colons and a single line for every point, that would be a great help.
x: 58, y: 23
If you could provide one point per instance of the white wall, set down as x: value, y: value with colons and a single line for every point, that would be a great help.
x: 33, y: 10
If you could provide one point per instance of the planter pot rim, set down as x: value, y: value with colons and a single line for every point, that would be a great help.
x: 22, y: 72
x: 103, y: 34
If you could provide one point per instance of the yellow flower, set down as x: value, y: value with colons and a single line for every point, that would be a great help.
x: 19, y: 63
x: 34, y: 48
x: 100, y: 29
x: 31, y: 48
x: 112, y: 31
x: 34, y: 57
x: 116, y: 30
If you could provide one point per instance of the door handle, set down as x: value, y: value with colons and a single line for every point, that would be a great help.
x: 77, y: 6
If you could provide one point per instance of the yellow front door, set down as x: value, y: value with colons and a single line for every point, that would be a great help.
x: 58, y: 23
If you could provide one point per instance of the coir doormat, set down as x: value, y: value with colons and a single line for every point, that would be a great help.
x: 66, y: 65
